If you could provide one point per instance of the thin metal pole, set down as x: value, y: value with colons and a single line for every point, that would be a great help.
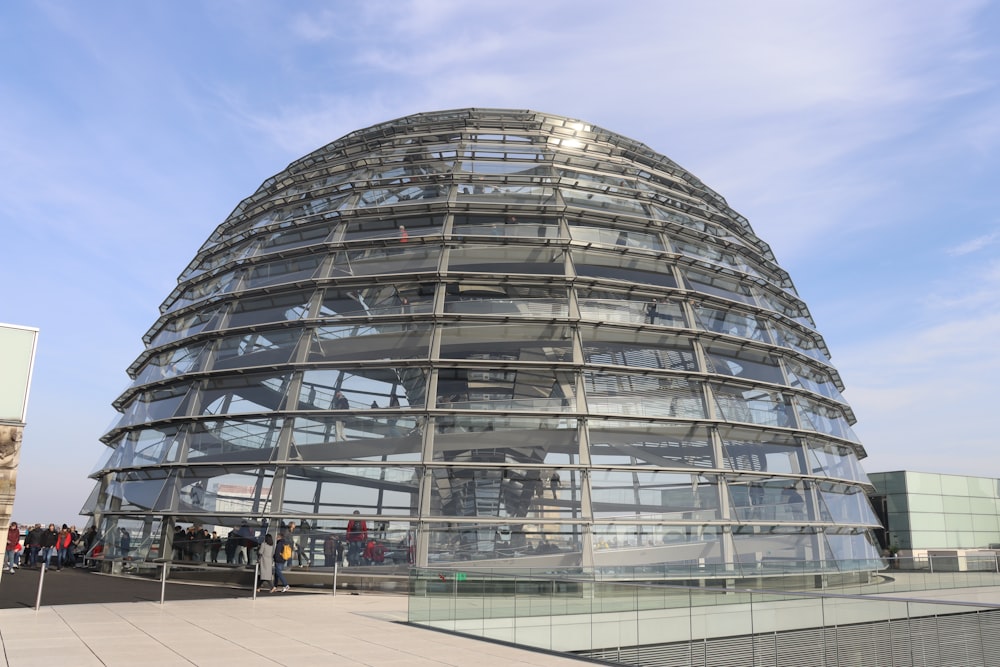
x: 41, y: 581
x: 256, y: 575
x: 163, y: 582
x: 336, y: 570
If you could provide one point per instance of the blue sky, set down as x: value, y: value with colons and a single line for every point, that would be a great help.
x: 860, y: 139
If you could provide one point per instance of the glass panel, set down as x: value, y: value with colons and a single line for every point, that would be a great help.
x: 845, y: 504
x: 296, y: 237
x: 280, y: 308
x: 232, y: 439
x: 823, y: 419
x: 754, y: 406
x: 636, y: 349
x: 382, y: 490
x: 470, y: 298
x: 510, y: 225
x: 392, y: 228
x: 681, y: 547
x: 377, y: 300
x: 769, y: 500
x: 510, y: 343
x: 145, y: 447
x: 787, y: 306
x: 241, y: 394
x: 505, y: 491
x: 283, y: 271
x: 662, y: 312
x: 509, y: 259
x: 133, y: 491
x: 812, y: 379
x: 762, y: 452
x: 386, y: 260
x: 462, y: 542
x: 211, y: 287
x: 386, y: 437
x: 369, y: 342
x: 187, y: 325
x: 603, y: 202
x: 491, y: 389
x: 832, y: 460
x: 715, y: 255
x: 245, y: 492
x: 161, y: 403
x: 731, y: 322
x: 622, y: 238
x: 507, y: 193
x: 360, y: 387
x: 743, y: 363
x: 639, y: 443
x: 171, y: 364
x: 552, y: 440
x: 653, y: 495
x: 264, y: 348
x: 403, y: 190
x: 799, y: 342
x: 853, y: 545
x: 233, y: 253
x: 718, y: 285
x: 624, y: 267
x: 643, y: 395
x: 780, y: 548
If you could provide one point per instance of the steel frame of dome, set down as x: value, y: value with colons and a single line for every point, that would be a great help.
x: 557, y: 348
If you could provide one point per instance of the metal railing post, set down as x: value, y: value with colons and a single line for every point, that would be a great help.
x: 336, y: 571
x: 256, y: 578
x: 163, y: 582
x: 41, y: 581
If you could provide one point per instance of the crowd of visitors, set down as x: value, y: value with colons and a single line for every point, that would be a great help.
x: 55, y: 548
x: 295, y: 546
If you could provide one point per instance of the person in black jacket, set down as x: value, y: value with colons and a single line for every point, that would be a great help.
x: 48, y: 543
x: 33, y: 542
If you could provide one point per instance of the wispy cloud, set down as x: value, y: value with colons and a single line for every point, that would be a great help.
x: 973, y: 245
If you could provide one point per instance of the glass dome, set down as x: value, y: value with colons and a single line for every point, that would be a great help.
x: 500, y: 336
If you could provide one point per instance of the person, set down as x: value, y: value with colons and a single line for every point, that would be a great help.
x: 329, y: 549
x: 554, y: 484
x: 403, y: 235
x: 216, y: 546
x: 90, y: 538
x: 34, y: 543
x: 357, y: 536
x: 369, y: 555
x: 197, y: 493
x: 247, y: 543
x: 125, y: 543
x: 266, y: 553
x: 232, y: 545
x: 652, y: 311
x: 50, y: 536
x: 179, y: 542
x: 340, y: 401
x: 294, y: 538
x: 64, y: 546
x: 279, y: 564
x: 13, y: 541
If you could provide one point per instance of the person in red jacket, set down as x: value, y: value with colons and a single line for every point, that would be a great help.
x: 64, y: 546
x: 13, y: 541
x: 357, y: 536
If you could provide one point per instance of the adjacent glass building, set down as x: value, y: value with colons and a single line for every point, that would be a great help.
x: 500, y: 336
x: 925, y: 510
